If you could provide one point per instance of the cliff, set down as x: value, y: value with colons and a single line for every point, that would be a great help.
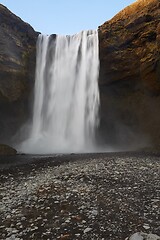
x: 130, y: 75
x: 17, y: 66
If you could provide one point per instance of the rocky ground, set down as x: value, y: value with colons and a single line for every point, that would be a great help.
x: 91, y: 196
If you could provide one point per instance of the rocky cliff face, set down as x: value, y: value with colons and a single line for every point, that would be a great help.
x: 130, y: 75
x: 17, y: 66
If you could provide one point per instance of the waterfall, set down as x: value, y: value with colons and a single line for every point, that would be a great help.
x: 66, y: 95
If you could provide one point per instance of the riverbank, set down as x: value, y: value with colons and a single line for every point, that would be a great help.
x: 87, y: 196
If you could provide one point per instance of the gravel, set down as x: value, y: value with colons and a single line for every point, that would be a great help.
x: 90, y: 196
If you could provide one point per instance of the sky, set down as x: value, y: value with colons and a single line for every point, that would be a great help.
x: 65, y: 17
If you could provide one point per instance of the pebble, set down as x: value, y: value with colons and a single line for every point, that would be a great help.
x: 87, y: 230
x: 80, y: 197
x: 146, y: 226
x: 94, y: 212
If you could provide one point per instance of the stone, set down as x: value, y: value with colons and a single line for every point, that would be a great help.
x: 7, y: 150
x: 144, y: 236
x: 146, y: 226
x: 87, y: 230
x: 95, y: 212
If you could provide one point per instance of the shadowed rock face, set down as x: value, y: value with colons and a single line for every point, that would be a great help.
x: 17, y: 66
x: 130, y: 75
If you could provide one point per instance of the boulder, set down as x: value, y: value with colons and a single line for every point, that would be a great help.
x: 129, y: 78
x: 6, y: 150
x: 144, y: 236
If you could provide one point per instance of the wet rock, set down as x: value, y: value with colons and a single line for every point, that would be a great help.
x: 7, y: 150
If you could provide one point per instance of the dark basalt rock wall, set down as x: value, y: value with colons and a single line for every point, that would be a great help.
x: 130, y: 75
x: 17, y: 67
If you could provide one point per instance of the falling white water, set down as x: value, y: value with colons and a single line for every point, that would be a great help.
x: 66, y: 96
